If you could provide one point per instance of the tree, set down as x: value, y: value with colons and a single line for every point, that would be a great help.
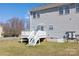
x: 6, y: 29
x: 14, y: 27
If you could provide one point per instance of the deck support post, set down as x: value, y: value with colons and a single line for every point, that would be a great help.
x: 39, y: 41
x: 21, y: 40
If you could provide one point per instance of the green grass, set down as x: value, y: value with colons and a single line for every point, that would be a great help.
x: 13, y: 48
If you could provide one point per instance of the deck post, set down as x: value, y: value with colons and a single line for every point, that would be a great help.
x: 39, y: 41
x: 21, y: 40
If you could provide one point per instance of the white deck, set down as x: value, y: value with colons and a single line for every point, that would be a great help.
x: 32, y: 36
x: 25, y: 34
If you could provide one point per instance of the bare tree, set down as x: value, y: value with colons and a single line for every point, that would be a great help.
x: 6, y: 29
x: 14, y: 26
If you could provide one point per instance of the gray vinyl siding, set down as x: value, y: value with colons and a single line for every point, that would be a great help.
x: 61, y: 23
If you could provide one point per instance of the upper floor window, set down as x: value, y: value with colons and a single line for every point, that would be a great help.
x: 50, y: 27
x: 67, y: 10
x: 61, y: 11
x: 38, y: 15
x: 77, y: 7
x: 31, y: 13
x: 34, y: 15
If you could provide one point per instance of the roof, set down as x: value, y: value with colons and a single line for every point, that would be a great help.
x: 47, y: 6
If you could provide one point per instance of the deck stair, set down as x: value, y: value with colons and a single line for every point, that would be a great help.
x: 35, y: 36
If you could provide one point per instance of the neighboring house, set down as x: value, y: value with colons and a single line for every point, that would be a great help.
x: 1, y: 31
x: 55, y: 18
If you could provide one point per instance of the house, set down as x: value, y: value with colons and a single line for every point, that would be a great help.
x: 55, y: 18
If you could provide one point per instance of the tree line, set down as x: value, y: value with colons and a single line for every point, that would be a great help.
x: 13, y: 27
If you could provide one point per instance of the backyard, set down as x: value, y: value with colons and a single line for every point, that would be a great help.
x: 14, y: 48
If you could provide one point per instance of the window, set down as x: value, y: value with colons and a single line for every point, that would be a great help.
x: 77, y: 7
x: 67, y: 10
x: 34, y: 15
x: 50, y: 27
x: 38, y: 15
x: 40, y: 27
x: 61, y: 11
x: 31, y: 13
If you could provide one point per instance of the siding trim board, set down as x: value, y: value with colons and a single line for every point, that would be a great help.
x: 48, y: 6
x: 54, y: 9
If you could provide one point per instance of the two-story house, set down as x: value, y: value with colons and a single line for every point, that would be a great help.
x: 55, y: 18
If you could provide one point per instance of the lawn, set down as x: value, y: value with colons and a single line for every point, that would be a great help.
x: 13, y: 48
